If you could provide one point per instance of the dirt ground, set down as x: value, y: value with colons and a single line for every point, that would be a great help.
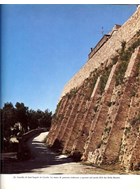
x: 44, y: 161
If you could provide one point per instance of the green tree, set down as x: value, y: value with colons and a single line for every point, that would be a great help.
x: 32, y: 119
x: 22, y: 114
x: 39, y: 118
x: 8, y: 119
x: 45, y: 120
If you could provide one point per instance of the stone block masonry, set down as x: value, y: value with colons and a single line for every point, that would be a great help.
x: 125, y: 33
x: 98, y: 117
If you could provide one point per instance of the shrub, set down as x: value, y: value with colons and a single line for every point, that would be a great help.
x: 127, y: 130
x: 133, y: 93
x: 107, y: 129
x: 58, y: 106
x: 114, y: 59
x: 123, y: 45
x: 124, y: 59
x: 57, y: 146
x: 95, y: 108
x: 135, y: 45
x: 120, y: 72
x: 138, y: 33
x: 76, y: 156
x: 99, y: 145
x: 72, y: 93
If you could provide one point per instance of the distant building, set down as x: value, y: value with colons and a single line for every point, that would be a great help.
x: 103, y: 40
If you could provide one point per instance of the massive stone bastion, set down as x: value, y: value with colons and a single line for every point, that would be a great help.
x: 97, y: 119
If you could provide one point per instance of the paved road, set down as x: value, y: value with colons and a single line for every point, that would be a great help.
x: 45, y: 161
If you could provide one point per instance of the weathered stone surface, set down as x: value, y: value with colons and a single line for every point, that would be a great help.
x: 98, y: 120
x: 125, y: 33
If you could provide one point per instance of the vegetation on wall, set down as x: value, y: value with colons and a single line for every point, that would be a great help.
x: 58, y: 106
x: 114, y: 59
x: 135, y: 120
x: 72, y: 92
x: 94, y: 77
x: 104, y: 79
x: 124, y: 57
x: 138, y: 68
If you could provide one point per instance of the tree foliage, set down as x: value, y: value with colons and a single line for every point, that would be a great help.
x: 28, y: 119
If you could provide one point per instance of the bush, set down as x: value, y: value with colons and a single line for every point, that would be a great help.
x: 120, y: 73
x: 127, y: 130
x: 76, y: 156
x: 57, y: 146
x: 107, y: 129
x: 114, y: 59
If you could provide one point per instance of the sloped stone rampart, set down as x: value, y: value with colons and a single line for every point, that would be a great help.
x: 99, y: 120
x: 125, y: 33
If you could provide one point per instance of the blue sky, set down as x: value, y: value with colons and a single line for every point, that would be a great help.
x: 43, y: 46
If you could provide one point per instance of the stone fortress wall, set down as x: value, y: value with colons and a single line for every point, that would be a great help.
x: 98, y: 120
x: 124, y: 33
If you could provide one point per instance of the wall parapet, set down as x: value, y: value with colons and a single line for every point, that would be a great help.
x: 103, y: 40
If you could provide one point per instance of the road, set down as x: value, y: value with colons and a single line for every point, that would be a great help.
x: 45, y: 161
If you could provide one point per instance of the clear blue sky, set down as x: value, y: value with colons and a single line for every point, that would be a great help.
x: 43, y: 46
